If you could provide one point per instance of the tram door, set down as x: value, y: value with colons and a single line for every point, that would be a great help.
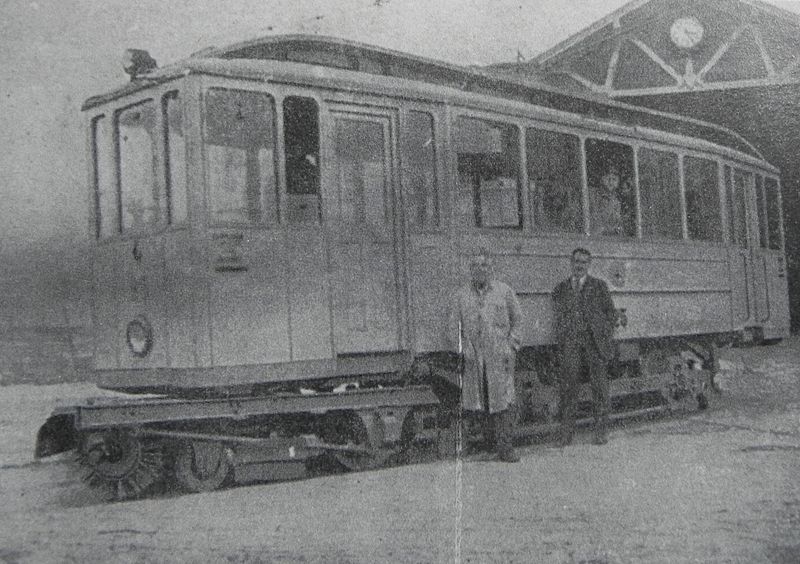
x: 738, y: 190
x: 757, y: 248
x: 359, y: 212
x: 770, y: 258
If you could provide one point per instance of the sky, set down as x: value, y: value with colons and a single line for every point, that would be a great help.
x: 56, y: 53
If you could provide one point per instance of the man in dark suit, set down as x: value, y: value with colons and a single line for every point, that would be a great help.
x: 584, y: 320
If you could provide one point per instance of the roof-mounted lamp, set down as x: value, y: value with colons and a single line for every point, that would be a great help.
x: 137, y: 62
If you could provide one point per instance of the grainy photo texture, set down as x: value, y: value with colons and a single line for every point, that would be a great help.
x: 403, y: 281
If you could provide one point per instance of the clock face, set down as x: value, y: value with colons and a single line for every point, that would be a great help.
x: 686, y: 32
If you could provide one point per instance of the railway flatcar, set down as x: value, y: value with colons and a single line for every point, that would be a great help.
x: 278, y: 227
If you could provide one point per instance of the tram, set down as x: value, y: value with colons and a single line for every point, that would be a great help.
x: 278, y: 227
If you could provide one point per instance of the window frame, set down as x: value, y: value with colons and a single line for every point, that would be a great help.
x: 280, y: 95
x: 634, y: 145
x: 720, y: 198
x: 681, y: 185
x: 97, y: 215
x: 439, y: 151
x: 779, y: 199
x: 580, y: 136
x: 278, y: 156
x: 158, y: 172
x: 496, y: 118
x: 167, y: 162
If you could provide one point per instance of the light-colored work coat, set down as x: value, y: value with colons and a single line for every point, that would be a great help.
x: 489, y: 323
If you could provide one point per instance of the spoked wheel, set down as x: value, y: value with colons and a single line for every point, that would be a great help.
x: 202, y: 466
x: 350, y: 430
x: 120, y: 461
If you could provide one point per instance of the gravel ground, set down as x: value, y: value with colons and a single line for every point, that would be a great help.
x: 716, y: 486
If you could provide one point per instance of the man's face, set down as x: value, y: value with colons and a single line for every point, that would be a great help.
x: 610, y: 181
x: 481, y: 269
x: 580, y: 265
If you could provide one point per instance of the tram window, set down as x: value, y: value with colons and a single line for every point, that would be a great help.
x: 773, y: 214
x: 659, y: 193
x: 359, y: 195
x: 701, y: 182
x: 612, y: 197
x: 488, y: 174
x: 554, y: 181
x: 240, y: 157
x: 419, y: 171
x: 175, y: 152
x: 301, y: 145
x: 740, y: 181
x: 105, y: 193
x: 140, y: 199
x: 763, y: 234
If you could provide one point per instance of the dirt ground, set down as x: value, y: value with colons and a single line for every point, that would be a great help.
x: 716, y: 486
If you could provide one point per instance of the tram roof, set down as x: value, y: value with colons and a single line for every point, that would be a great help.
x: 495, y: 80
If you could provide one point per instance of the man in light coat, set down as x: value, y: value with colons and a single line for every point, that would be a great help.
x: 584, y: 319
x: 486, y: 317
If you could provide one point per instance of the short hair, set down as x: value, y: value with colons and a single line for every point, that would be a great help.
x: 581, y: 251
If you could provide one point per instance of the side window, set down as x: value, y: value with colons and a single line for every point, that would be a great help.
x: 554, y: 181
x: 741, y: 180
x: 612, y: 194
x: 141, y: 202
x: 105, y: 193
x: 419, y: 171
x: 301, y: 145
x: 360, y: 193
x: 239, y: 143
x: 660, y: 194
x: 488, y: 174
x: 175, y: 156
x: 701, y: 182
x: 763, y: 232
x: 729, y: 207
x: 773, y: 214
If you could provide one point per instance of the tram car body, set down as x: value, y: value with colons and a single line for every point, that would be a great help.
x: 285, y: 216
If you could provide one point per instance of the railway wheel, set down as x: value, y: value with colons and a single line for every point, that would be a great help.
x: 351, y: 430
x: 120, y: 461
x: 202, y: 466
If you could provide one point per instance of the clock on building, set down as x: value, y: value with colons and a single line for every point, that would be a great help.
x: 686, y: 32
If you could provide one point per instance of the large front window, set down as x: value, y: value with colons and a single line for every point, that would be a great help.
x: 140, y: 197
x: 239, y: 147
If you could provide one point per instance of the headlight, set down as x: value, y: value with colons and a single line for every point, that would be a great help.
x: 139, y: 336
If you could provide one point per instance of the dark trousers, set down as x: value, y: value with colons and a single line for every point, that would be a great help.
x: 579, y: 355
x: 497, y: 428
